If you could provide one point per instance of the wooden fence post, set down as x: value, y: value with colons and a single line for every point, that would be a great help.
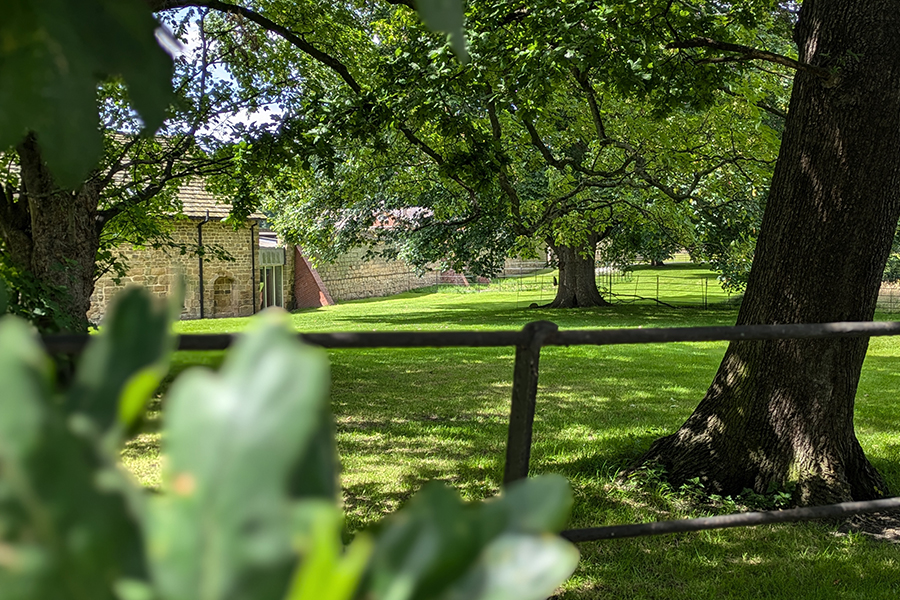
x: 524, y: 395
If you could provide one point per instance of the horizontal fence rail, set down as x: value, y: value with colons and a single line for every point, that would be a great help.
x: 70, y: 344
x: 528, y: 343
x: 747, y: 519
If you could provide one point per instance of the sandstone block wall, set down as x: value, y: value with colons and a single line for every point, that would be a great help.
x: 518, y: 266
x: 228, y: 287
x: 351, y: 277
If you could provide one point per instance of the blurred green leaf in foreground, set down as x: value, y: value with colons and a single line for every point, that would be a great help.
x: 54, y: 54
x: 249, y: 507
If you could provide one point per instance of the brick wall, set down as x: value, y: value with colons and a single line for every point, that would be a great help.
x: 308, y: 288
x: 229, y: 287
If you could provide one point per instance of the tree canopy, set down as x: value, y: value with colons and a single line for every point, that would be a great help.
x: 570, y: 121
x: 565, y: 124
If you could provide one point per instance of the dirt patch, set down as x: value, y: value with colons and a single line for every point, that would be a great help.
x: 882, y: 526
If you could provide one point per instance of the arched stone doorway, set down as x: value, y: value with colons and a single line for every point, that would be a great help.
x: 223, y: 297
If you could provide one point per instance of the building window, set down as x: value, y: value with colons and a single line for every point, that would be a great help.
x: 271, y: 277
x: 271, y: 286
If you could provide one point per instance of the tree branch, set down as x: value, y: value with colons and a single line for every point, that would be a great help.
x: 749, y: 53
x: 437, y: 158
x: 117, y: 162
x: 560, y: 164
x: 475, y: 215
x: 327, y: 60
x: 591, y: 95
x: 506, y: 185
x: 269, y: 25
x: 197, y: 168
x: 773, y: 110
x: 420, y: 144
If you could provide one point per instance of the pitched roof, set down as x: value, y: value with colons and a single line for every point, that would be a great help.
x: 197, y: 202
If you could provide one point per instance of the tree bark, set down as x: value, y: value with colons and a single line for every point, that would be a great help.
x: 780, y: 414
x: 53, y: 235
x: 577, y: 286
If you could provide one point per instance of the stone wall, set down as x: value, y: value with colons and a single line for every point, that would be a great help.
x: 351, y: 277
x: 228, y: 289
x: 518, y: 266
x: 228, y: 286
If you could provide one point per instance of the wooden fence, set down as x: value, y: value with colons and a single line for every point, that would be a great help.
x: 528, y: 343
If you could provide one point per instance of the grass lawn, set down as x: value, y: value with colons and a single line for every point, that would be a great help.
x: 406, y: 416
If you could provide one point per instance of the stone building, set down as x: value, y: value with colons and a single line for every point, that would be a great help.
x: 213, y: 286
x: 260, y: 272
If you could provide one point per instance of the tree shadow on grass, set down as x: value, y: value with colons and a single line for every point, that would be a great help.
x: 387, y: 460
x: 786, y: 561
x: 447, y: 419
x: 508, y: 315
x: 801, y: 560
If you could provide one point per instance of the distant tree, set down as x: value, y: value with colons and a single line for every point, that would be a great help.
x: 647, y: 240
x: 892, y: 268
x: 724, y: 237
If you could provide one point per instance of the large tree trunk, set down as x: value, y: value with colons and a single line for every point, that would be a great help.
x: 577, y: 285
x: 780, y: 413
x: 53, y: 235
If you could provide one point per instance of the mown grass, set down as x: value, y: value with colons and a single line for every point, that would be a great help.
x: 407, y: 416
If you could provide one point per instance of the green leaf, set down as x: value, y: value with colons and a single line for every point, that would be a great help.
x: 64, y: 535
x: 517, y: 567
x: 446, y: 16
x: 123, y: 366
x: 25, y: 373
x: 136, y: 392
x: 315, y: 476
x: 437, y: 547
x: 327, y: 572
x: 539, y: 504
x: 232, y: 442
x: 425, y: 546
x: 53, y: 54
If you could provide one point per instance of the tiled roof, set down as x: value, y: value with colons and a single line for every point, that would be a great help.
x: 196, y: 201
